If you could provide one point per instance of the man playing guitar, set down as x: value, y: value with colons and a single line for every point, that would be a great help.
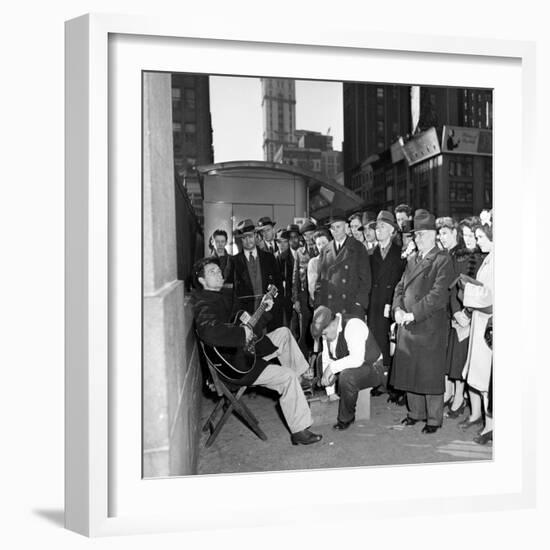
x: 214, y: 310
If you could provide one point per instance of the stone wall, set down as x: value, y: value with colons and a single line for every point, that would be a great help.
x: 171, y: 373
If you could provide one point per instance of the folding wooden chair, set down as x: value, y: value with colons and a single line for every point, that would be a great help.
x: 230, y: 401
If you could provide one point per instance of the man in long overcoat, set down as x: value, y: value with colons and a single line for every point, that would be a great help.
x: 253, y: 271
x: 344, y: 276
x: 420, y: 309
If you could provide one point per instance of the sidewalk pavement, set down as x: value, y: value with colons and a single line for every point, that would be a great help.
x: 382, y: 440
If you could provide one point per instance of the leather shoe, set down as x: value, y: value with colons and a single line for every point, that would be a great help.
x: 430, y: 429
x: 408, y: 421
x: 305, y: 437
x: 483, y: 439
x: 456, y: 413
x: 375, y: 392
x: 343, y: 425
x: 465, y: 424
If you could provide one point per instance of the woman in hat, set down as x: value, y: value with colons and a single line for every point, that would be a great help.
x: 459, y: 240
x: 478, y: 296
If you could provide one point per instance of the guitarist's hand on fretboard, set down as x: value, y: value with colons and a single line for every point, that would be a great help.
x: 268, y: 301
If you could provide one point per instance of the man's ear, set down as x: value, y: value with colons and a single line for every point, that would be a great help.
x: 201, y: 281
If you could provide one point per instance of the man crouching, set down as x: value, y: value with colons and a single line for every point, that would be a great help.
x: 214, y: 309
x: 351, y: 352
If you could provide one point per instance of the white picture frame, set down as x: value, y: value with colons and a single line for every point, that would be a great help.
x: 105, y: 55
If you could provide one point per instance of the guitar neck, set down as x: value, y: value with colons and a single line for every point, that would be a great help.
x: 256, y: 317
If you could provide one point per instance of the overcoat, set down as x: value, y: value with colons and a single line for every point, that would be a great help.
x: 344, y: 279
x: 419, y: 361
x: 243, y: 289
x: 467, y: 262
x: 386, y: 273
x: 477, y: 370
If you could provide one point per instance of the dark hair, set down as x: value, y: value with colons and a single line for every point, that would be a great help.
x: 470, y: 223
x: 198, y: 269
x: 446, y: 221
x: 322, y: 233
x: 403, y: 208
x: 219, y: 233
x: 356, y: 215
x: 487, y: 229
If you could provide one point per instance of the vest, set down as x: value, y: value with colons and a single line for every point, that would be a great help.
x: 372, y: 351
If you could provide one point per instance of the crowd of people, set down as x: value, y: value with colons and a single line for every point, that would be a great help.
x: 392, y: 301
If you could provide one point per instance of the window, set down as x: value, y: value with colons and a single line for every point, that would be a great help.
x: 380, y: 110
x: 190, y: 128
x: 380, y: 126
x: 176, y: 127
x: 380, y: 93
x: 189, y: 98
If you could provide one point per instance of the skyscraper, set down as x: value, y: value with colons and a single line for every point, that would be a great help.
x: 279, y: 114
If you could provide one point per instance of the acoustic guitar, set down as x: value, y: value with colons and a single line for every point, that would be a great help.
x: 235, y: 363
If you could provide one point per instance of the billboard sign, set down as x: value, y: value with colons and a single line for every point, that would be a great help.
x: 467, y: 141
x: 421, y: 147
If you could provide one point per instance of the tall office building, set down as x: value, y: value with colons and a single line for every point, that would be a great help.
x: 279, y: 115
x: 192, y: 133
x: 375, y: 115
x: 428, y: 146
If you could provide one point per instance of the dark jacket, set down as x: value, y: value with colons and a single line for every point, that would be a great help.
x: 344, y: 280
x: 214, y: 314
x: 419, y: 362
x: 243, y: 290
x: 386, y: 273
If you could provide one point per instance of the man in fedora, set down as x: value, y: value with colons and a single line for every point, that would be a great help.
x: 387, y: 268
x: 420, y: 310
x: 344, y: 280
x: 350, y: 352
x: 368, y: 220
x: 289, y: 266
x: 266, y: 226
x: 307, y: 230
x: 253, y: 271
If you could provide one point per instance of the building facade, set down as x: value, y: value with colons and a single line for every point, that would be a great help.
x: 279, y: 115
x: 192, y: 133
x: 441, y: 159
x: 313, y: 151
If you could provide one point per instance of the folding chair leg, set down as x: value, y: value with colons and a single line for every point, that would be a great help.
x: 219, y: 426
x: 240, y: 408
x: 210, y: 420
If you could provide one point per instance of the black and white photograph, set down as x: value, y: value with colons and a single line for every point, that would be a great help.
x: 317, y: 274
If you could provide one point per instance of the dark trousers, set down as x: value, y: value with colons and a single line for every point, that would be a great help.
x: 426, y: 407
x: 351, y: 382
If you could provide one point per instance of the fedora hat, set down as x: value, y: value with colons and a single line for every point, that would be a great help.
x: 423, y: 221
x: 337, y: 215
x: 322, y: 317
x: 245, y: 226
x: 266, y: 220
x: 293, y: 228
x: 282, y: 235
x: 387, y: 217
x: 308, y: 225
x: 367, y: 218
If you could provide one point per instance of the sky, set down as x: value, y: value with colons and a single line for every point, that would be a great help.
x: 236, y: 102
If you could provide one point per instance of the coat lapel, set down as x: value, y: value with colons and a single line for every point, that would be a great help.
x: 421, y: 266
